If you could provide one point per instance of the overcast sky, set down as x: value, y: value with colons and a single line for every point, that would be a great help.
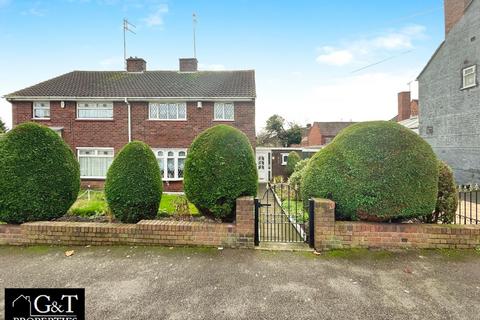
x: 310, y: 57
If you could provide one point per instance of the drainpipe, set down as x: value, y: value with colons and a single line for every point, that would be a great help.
x: 129, y: 117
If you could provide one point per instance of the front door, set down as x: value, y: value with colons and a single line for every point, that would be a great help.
x: 262, y: 166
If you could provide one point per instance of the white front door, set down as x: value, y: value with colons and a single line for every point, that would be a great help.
x: 263, y: 165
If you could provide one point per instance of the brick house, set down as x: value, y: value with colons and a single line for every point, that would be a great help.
x: 322, y: 133
x: 449, y: 93
x: 98, y: 112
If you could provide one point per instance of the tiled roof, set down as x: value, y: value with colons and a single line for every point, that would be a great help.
x: 332, y: 128
x: 145, y: 84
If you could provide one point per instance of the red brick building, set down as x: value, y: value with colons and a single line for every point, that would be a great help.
x: 322, y: 133
x: 98, y: 112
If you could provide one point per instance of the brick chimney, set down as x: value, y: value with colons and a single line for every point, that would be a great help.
x: 136, y: 65
x: 404, y: 105
x: 188, y: 64
x: 414, y: 108
x: 454, y: 10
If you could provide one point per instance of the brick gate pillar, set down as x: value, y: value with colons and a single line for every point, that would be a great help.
x: 245, y: 222
x: 324, y: 223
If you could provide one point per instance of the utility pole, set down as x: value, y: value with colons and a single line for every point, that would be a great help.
x: 126, y: 27
x: 194, y: 22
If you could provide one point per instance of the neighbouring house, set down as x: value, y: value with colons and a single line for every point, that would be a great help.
x: 407, y: 111
x: 322, y: 133
x: 272, y: 161
x: 449, y: 94
x: 98, y: 112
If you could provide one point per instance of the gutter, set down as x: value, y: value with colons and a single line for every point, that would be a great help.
x: 153, y: 99
x: 129, y: 117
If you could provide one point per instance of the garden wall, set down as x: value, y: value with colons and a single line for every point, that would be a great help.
x: 331, y: 234
x: 147, y: 232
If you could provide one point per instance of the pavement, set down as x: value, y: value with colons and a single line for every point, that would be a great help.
x: 200, y: 283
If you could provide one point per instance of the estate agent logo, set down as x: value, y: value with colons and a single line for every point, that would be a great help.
x: 44, y: 304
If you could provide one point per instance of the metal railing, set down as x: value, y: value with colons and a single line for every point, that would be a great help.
x: 468, y: 208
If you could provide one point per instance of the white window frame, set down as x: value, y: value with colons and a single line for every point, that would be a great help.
x: 96, y: 103
x: 164, y: 158
x: 467, y: 72
x: 37, y: 105
x: 222, y: 104
x: 150, y: 104
x: 284, y: 158
x: 94, y: 156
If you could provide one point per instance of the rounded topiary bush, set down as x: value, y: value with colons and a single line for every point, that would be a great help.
x: 39, y: 175
x: 376, y: 171
x: 220, y: 167
x: 292, y: 159
x: 133, y: 187
x: 447, y: 197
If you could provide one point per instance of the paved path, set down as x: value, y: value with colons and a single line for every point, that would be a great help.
x: 159, y: 283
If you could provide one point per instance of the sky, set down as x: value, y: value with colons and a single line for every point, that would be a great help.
x: 314, y: 60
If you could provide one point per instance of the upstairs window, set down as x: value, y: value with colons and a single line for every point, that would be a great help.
x: 167, y: 111
x: 224, y: 111
x: 171, y: 163
x: 41, y: 110
x: 95, y: 110
x: 469, y: 77
x: 94, y: 162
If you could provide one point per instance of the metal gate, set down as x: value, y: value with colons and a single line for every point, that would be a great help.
x: 281, y: 216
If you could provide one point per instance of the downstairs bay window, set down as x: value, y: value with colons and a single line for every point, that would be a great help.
x: 171, y: 163
x: 94, y: 162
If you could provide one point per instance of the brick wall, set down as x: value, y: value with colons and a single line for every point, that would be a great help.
x: 331, y: 234
x: 114, y: 133
x: 147, y: 232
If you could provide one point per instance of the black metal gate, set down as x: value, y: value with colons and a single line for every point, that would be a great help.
x: 281, y: 216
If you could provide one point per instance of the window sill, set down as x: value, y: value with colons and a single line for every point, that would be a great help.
x: 167, y: 119
x: 93, y: 119
x: 172, y: 180
x: 469, y: 87
x: 42, y: 119
x: 220, y: 120
x: 92, y: 178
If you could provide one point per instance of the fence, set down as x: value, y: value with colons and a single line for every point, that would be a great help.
x: 468, y: 205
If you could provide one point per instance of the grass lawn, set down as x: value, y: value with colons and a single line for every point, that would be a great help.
x: 97, y: 205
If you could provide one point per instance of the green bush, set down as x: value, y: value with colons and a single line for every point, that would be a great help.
x: 134, y: 186
x: 376, y: 171
x: 220, y: 167
x: 292, y: 160
x: 39, y: 175
x: 447, y: 197
x: 295, y: 179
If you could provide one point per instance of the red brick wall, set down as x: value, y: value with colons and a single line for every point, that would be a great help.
x: 147, y: 232
x: 114, y: 133
x: 404, y: 105
x: 314, y: 137
x: 331, y: 234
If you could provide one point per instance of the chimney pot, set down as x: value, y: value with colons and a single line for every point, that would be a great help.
x: 188, y: 64
x: 136, y: 65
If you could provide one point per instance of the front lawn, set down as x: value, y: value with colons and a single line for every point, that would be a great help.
x: 94, y: 204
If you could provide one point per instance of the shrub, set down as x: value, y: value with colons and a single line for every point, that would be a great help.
x: 295, y: 179
x: 39, y: 175
x: 220, y: 167
x: 134, y: 186
x: 447, y: 197
x: 375, y: 171
x: 292, y: 160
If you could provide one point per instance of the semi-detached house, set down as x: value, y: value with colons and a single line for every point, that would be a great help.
x: 98, y: 112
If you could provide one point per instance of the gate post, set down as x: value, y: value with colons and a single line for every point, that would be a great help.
x: 256, y: 239
x: 311, y: 223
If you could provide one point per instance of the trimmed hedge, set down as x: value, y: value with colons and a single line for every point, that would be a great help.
x: 292, y: 159
x: 39, y: 175
x: 220, y: 167
x: 447, y: 197
x: 295, y: 179
x: 133, y: 187
x: 375, y: 171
